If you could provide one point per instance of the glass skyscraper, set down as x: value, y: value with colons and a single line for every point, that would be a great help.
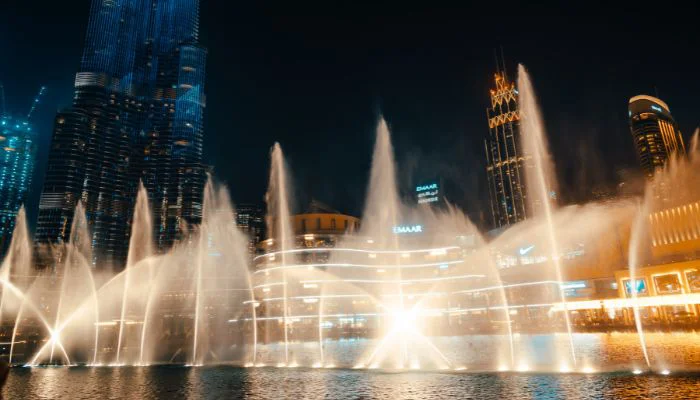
x: 654, y: 131
x: 505, y: 160
x: 137, y: 114
x: 17, y: 158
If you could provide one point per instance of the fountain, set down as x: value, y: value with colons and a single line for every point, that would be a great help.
x: 412, y: 287
x: 540, y: 178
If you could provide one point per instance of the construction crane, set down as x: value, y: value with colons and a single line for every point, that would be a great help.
x: 35, y: 102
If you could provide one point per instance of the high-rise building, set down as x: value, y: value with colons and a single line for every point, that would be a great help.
x: 17, y: 157
x: 137, y: 114
x: 505, y: 159
x: 654, y: 131
x: 250, y: 218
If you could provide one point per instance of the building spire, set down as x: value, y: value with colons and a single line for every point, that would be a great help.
x: 2, y: 100
x: 503, y: 61
x: 35, y: 102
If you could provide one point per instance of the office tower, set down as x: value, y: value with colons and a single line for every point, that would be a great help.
x: 505, y: 160
x: 654, y: 131
x: 17, y: 158
x: 137, y: 114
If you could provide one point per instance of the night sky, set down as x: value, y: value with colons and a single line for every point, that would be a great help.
x: 314, y: 78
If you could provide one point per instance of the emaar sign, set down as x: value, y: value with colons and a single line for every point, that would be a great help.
x: 423, y: 188
x: 401, y: 229
x: 428, y: 193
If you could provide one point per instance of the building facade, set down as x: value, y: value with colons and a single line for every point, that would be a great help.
x: 17, y: 158
x: 137, y: 114
x: 505, y: 159
x: 654, y: 131
x: 250, y: 219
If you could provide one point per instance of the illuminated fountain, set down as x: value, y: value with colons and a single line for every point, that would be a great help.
x: 413, y: 287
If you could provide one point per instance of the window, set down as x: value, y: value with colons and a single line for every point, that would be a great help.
x: 303, y: 225
x: 318, y: 224
x: 333, y: 223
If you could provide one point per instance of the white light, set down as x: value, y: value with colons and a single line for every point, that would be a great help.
x: 637, y: 371
x: 405, y: 321
x: 310, y: 286
x: 308, y: 237
x: 380, y: 270
x: 358, y: 366
x: 564, y: 369
x: 372, y: 255
x: 665, y: 372
x: 588, y: 370
x: 260, y: 365
x: 311, y: 300
x: 248, y: 365
x: 502, y: 368
x: 460, y: 368
x: 330, y: 366
x: 281, y: 365
x: 415, y: 365
x: 293, y: 365
x: 370, y: 241
x: 523, y: 367
x: 316, y: 365
x: 438, y: 252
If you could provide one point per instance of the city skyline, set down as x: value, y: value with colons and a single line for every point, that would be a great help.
x: 443, y: 113
x: 259, y: 200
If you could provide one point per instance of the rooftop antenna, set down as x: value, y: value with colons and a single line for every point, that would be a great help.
x: 503, y: 60
x: 495, y: 57
x: 2, y: 99
x: 35, y: 102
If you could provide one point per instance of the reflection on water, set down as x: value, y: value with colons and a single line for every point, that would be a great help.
x: 611, y: 352
x: 303, y: 383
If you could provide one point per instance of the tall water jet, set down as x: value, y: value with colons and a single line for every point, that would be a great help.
x: 201, y: 253
x: 76, y: 268
x: 541, y: 179
x: 636, y: 240
x: 18, y: 260
x: 279, y: 226
x: 382, y: 212
x: 140, y: 248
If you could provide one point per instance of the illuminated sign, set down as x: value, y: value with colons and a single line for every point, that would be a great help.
x: 401, y: 229
x: 428, y: 193
x: 432, y: 186
x: 524, y: 250
x: 640, y: 286
x: 656, y: 108
x: 573, y: 285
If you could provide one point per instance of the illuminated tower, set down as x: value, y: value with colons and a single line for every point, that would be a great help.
x: 654, y: 131
x: 137, y: 114
x: 17, y: 158
x: 505, y: 161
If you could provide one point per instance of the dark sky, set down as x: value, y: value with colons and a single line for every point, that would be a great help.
x: 313, y: 78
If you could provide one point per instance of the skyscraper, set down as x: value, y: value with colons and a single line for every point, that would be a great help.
x: 137, y: 114
x: 17, y: 158
x: 505, y: 159
x: 654, y: 131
